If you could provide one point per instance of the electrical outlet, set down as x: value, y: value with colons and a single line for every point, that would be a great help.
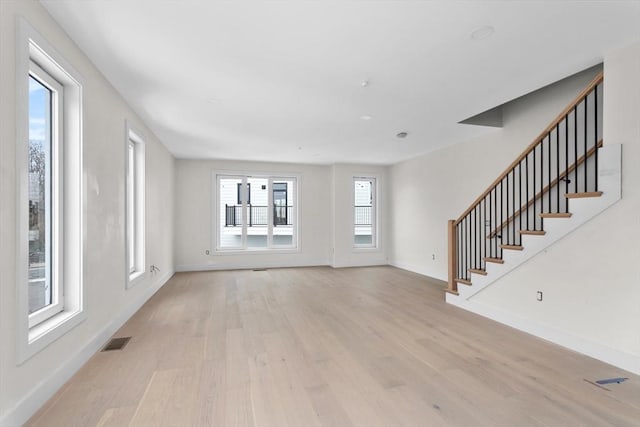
x: 539, y: 296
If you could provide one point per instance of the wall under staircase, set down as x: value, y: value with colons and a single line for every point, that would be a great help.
x: 553, y: 303
x: 590, y: 278
x: 581, y: 210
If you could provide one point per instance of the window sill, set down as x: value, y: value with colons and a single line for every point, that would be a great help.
x: 50, y: 330
x: 135, y: 278
x: 266, y: 251
x: 365, y: 249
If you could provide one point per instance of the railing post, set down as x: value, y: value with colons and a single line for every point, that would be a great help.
x: 451, y: 232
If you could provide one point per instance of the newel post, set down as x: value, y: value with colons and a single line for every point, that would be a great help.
x: 451, y: 233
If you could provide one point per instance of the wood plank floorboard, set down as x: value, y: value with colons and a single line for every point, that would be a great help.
x: 374, y: 346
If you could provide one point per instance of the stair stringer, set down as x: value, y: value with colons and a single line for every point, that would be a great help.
x: 582, y: 210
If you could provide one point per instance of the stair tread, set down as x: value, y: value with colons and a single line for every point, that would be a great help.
x: 533, y: 232
x: 478, y: 271
x: 583, y: 195
x: 555, y: 215
x: 494, y: 260
x: 512, y: 247
x: 464, y: 281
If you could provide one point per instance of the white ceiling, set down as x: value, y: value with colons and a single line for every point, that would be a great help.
x: 281, y: 80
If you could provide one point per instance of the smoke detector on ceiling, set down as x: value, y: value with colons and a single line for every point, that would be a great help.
x: 482, y: 32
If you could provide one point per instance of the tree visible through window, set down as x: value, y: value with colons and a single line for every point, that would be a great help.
x: 45, y: 288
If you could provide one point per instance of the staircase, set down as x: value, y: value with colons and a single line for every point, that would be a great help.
x: 563, y: 179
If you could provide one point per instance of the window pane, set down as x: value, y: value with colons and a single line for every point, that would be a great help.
x: 257, y: 212
x: 40, y: 188
x: 230, y: 227
x: 363, y: 207
x: 283, y: 213
x: 131, y: 223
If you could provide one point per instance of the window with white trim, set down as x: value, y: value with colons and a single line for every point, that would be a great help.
x: 45, y: 192
x: 256, y: 212
x: 364, y: 212
x: 135, y: 203
x: 49, y: 193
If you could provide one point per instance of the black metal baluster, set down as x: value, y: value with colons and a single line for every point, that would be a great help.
x: 479, y: 234
x: 520, y: 200
x: 484, y: 228
x: 557, y: 168
x: 526, y: 177
x: 542, y: 176
x: 492, y: 214
x: 513, y: 204
x: 549, y: 172
x: 507, y: 211
x: 473, y: 239
x: 566, y: 161
x: 472, y: 235
x: 495, y: 220
x: 575, y: 148
x: 585, y: 143
x: 478, y: 242
x: 501, y: 212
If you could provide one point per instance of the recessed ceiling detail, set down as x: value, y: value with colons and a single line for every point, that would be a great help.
x: 284, y: 72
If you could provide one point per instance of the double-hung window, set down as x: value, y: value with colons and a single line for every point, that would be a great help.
x: 135, y: 206
x: 256, y: 212
x: 49, y: 193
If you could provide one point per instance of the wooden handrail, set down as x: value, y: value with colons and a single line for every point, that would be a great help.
x: 541, y: 193
x: 596, y: 81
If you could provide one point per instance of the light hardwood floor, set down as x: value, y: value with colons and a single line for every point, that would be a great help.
x: 317, y: 346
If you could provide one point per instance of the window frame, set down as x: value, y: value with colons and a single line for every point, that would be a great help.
x: 374, y: 212
x: 243, y: 247
x: 135, y: 219
x: 33, y: 336
x: 55, y: 194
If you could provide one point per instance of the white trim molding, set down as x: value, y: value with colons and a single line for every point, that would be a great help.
x: 32, y: 46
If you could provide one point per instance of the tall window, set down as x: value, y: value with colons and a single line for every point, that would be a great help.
x: 364, y: 213
x: 135, y: 201
x: 45, y: 136
x: 49, y: 191
x: 256, y: 212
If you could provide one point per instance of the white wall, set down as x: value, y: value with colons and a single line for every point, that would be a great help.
x: 24, y: 388
x: 324, y: 193
x: 590, y: 279
x: 427, y: 191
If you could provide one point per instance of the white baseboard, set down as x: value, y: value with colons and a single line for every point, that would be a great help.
x: 241, y: 266
x: 416, y: 269
x: 622, y: 360
x: 44, y: 390
x: 359, y: 264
